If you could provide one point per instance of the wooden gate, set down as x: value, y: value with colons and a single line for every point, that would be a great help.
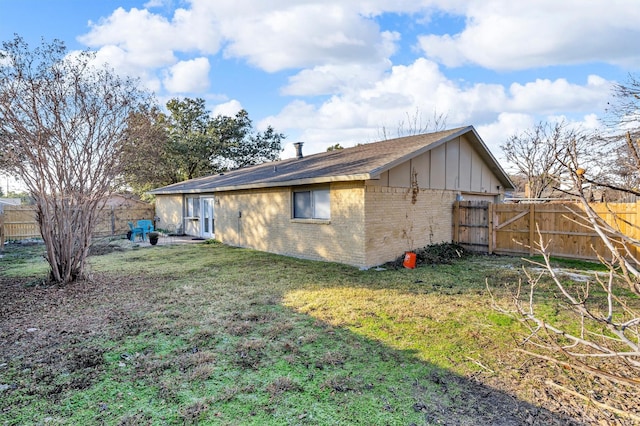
x: 471, y: 225
x: 513, y: 228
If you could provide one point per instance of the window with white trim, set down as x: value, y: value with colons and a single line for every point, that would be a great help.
x: 193, y: 207
x: 311, y: 204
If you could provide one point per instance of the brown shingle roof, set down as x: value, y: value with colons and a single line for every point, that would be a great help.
x: 361, y: 162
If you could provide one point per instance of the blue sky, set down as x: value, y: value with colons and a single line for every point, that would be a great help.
x: 336, y: 71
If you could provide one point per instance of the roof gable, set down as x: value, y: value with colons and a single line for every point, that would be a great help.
x: 361, y: 162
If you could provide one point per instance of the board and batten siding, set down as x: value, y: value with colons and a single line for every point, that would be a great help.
x: 454, y: 166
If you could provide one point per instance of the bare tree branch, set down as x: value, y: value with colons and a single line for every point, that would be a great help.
x: 535, y: 154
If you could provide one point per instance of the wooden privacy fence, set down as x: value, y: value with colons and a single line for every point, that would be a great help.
x: 511, y: 228
x: 19, y: 222
x: 113, y: 220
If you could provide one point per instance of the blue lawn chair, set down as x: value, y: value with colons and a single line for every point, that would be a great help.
x: 135, y: 231
x: 146, y: 226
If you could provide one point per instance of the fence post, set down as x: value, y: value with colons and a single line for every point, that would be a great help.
x: 634, y: 229
x: 456, y: 221
x: 490, y: 241
x: 113, y: 221
x: 1, y: 231
x: 532, y: 227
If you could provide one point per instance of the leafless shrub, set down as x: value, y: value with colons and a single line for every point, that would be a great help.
x: 62, y: 124
x: 596, y: 332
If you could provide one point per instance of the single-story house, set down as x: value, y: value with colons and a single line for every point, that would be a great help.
x: 8, y: 202
x: 124, y: 200
x: 362, y: 206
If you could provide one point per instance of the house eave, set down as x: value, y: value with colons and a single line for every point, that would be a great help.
x: 262, y: 185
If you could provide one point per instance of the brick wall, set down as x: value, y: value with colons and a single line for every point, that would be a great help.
x: 395, y: 224
x: 169, y: 210
x: 369, y: 225
x: 262, y: 219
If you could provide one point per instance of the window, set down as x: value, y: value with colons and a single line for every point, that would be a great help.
x: 312, y: 204
x: 193, y: 207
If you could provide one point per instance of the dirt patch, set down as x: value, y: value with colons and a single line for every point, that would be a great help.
x: 46, y: 331
x: 101, y: 248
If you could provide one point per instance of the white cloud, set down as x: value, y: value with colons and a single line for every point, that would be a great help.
x: 304, y: 35
x: 330, y: 78
x: 154, y: 3
x: 496, y: 133
x: 190, y: 76
x: 285, y: 34
x: 118, y: 59
x: 546, y: 96
x: 227, y: 109
x: 139, y: 42
x: 145, y: 39
x: 114, y: 58
x: 420, y: 90
x: 272, y: 37
x: 508, y: 35
x: 320, y: 80
x: 591, y: 122
x: 336, y: 58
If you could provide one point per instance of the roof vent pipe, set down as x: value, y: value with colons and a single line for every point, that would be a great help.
x: 298, y: 146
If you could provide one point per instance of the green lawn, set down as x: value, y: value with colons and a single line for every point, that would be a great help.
x: 209, y: 334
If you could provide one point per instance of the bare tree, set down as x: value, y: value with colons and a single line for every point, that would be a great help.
x: 597, y: 331
x: 416, y: 124
x: 62, y: 124
x: 538, y: 153
x: 620, y: 142
x: 624, y: 109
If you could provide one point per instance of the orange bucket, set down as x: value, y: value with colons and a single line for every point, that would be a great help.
x: 409, y: 260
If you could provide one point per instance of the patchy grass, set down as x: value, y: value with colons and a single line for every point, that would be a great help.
x: 575, y: 264
x: 20, y: 260
x: 209, y: 334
